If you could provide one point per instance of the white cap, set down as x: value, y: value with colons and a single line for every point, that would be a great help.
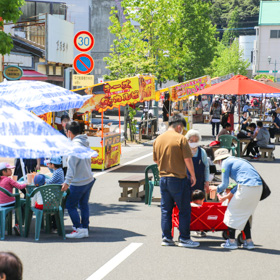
x: 5, y: 165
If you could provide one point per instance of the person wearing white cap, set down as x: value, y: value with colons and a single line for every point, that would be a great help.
x: 243, y: 198
x: 8, y: 184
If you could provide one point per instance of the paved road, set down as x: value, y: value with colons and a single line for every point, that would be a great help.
x: 115, y: 225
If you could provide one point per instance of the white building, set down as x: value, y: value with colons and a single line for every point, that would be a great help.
x: 246, y: 44
x: 266, y: 58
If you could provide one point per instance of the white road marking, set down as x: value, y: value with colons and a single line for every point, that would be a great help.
x: 114, y: 262
x: 121, y: 165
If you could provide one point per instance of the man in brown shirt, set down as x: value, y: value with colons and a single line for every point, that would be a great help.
x: 173, y: 156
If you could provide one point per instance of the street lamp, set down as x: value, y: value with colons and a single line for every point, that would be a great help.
x: 275, y: 63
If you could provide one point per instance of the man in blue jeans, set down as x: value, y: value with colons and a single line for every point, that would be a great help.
x: 79, y: 180
x: 173, y: 157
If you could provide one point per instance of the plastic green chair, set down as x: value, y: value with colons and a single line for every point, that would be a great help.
x: 226, y: 142
x: 149, y: 184
x: 7, y: 212
x: 52, y: 201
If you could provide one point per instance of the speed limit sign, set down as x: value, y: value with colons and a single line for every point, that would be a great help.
x: 83, y: 41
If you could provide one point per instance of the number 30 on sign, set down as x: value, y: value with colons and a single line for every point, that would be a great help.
x: 84, y: 41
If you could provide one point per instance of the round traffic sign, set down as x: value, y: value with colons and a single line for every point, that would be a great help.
x: 83, y: 63
x: 84, y: 41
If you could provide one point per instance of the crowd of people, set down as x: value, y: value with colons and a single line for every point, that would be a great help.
x: 74, y: 174
x: 184, y: 168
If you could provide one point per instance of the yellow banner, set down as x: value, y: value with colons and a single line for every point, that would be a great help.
x: 147, y: 88
x: 186, y: 89
x: 117, y: 93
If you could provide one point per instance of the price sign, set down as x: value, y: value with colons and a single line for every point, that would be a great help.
x: 84, y: 41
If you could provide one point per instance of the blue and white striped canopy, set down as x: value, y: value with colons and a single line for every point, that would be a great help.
x: 40, y: 97
x: 24, y: 135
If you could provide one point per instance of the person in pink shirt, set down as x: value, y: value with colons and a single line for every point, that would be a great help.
x: 7, y: 183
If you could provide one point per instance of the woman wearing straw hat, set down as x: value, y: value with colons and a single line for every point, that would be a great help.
x: 243, y: 198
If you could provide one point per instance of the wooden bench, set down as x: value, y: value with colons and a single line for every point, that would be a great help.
x: 267, y: 153
x: 131, y: 188
x: 277, y: 139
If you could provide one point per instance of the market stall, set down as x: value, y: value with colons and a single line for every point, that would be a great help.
x: 183, y: 97
x: 109, y: 95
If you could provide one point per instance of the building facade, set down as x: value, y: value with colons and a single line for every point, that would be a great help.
x: 266, y: 59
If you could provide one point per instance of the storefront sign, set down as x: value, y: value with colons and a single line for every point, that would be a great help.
x: 82, y: 80
x: 184, y: 90
x: 13, y: 72
x: 59, y: 44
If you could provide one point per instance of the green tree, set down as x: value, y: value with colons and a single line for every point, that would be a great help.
x: 176, y: 39
x: 197, y: 41
x: 264, y: 76
x: 129, y: 53
x: 228, y: 59
x: 233, y: 24
x: 144, y: 50
x: 9, y: 12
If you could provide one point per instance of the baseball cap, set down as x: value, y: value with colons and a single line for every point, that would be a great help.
x: 55, y: 160
x: 4, y: 165
x: 39, y: 180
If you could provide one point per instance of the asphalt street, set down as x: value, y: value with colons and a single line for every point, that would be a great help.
x: 115, y: 225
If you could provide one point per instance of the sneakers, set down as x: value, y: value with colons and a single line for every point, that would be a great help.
x: 200, y: 233
x: 167, y: 242
x: 16, y: 229
x: 188, y: 243
x: 78, y: 233
x: 229, y: 245
x: 248, y: 245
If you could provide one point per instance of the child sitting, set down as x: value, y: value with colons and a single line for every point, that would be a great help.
x: 58, y: 174
x: 37, y: 200
x: 8, y: 184
x: 198, y: 198
x: 55, y: 164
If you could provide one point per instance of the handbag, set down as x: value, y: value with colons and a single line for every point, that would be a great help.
x: 266, y: 190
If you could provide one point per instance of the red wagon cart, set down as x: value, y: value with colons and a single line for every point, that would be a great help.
x: 208, y: 217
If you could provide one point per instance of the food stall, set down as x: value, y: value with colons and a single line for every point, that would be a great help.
x: 181, y: 93
x: 109, y: 95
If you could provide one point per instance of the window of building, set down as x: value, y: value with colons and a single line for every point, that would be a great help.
x: 274, y: 34
x: 59, y: 9
x: 43, y: 8
x: 34, y: 8
x: 28, y: 10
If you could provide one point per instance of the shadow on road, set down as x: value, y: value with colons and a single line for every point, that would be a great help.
x: 98, y: 209
x: 96, y: 234
x: 261, y: 250
x: 131, y: 169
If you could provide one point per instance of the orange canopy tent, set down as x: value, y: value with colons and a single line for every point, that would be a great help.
x: 239, y: 85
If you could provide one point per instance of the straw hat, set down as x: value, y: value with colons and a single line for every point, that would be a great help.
x: 221, y: 153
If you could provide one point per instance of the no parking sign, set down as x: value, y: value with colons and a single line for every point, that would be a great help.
x: 83, y: 63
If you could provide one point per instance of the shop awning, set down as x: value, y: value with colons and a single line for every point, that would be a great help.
x: 33, y: 75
